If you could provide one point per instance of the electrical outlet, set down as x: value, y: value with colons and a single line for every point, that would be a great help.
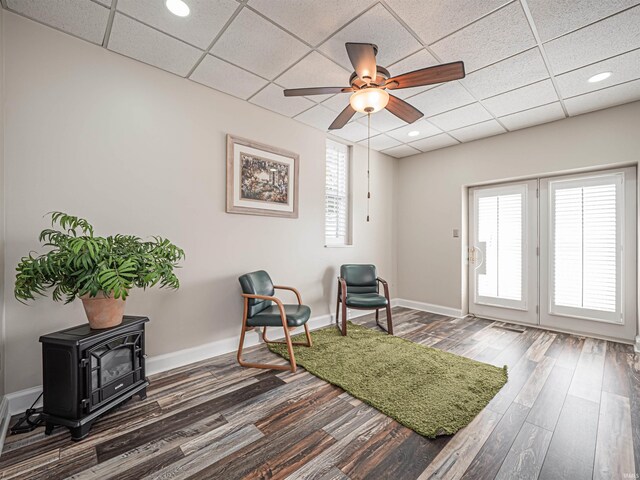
x: 456, y: 233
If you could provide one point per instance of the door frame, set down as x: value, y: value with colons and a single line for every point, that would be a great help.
x: 527, y: 313
x: 464, y: 246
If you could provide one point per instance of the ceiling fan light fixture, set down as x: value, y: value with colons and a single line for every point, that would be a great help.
x: 369, y: 100
x: 177, y: 7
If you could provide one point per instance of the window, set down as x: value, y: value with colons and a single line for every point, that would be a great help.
x: 337, y: 205
x: 586, y: 222
x: 499, y: 233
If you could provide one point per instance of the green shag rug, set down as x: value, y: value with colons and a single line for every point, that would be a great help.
x: 427, y: 390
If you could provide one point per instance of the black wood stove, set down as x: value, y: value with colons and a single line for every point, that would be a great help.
x: 88, y: 372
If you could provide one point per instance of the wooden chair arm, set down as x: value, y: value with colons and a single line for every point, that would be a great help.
x: 385, y: 285
x: 277, y: 301
x: 342, y: 285
x: 291, y: 289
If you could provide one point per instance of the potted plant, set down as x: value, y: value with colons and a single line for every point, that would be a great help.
x: 99, y: 270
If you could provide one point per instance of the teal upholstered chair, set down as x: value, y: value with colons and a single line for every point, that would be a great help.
x: 359, y: 288
x: 263, y: 309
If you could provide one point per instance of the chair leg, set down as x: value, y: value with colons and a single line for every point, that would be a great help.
x: 338, y: 309
x: 377, y: 314
x: 257, y: 365
x: 389, y: 319
x: 344, y: 318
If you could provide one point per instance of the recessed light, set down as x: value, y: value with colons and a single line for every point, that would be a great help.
x: 599, y: 77
x: 177, y: 7
x: 413, y: 133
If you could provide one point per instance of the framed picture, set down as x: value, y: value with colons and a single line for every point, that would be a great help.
x: 261, y: 180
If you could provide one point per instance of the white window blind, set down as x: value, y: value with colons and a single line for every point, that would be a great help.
x: 337, y: 215
x: 500, y: 239
x: 586, y: 221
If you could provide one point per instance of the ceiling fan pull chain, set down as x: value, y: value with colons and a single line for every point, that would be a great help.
x: 368, y: 163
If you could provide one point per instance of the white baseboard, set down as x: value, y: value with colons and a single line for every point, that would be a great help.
x: 18, y: 402
x: 5, y: 417
x: 427, y: 307
x: 167, y: 361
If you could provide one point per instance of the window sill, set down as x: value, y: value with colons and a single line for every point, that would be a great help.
x: 338, y: 246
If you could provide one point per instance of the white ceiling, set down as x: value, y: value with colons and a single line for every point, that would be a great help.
x: 527, y: 61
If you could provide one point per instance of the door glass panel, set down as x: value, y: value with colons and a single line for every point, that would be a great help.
x: 499, y: 237
x: 586, y: 218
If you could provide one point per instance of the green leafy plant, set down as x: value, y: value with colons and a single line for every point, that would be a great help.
x: 81, y: 264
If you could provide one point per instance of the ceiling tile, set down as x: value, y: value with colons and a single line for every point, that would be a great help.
x: 535, y: 116
x: 337, y: 103
x: 612, y: 36
x: 401, y: 151
x: 199, y: 28
x: 555, y: 18
x: 148, y: 45
x: 479, y: 130
x: 315, y: 70
x: 81, y: 18
x: 309, y: 19
x: 623, y: 67
x: 380, y: 142
x: 424, y: 128
x: 354, y: 132
x: 523, y: 98
x: 434, y: 19
x: 609, y: 97
x: 376, y: 26
x: 517, y: 71
x: 319, y: 117
x: 433, y: 143
x: 416, y: 61
x: 253, y: 43
x: 498, y: 36
x: 272, y: 98
x: 442, y: 98
x: 383, y: 121
x: 227, y: 78
x: 461, y: 117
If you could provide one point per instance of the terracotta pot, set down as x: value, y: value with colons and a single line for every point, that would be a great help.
x: 103, y: 311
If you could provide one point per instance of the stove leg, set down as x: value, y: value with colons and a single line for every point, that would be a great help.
x: 48, y: 428
x: 78, y: 433
x: 143, y: 394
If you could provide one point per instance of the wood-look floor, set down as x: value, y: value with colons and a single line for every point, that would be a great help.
x: 571, y: 409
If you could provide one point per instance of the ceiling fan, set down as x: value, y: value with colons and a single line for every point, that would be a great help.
x: 370, y: 82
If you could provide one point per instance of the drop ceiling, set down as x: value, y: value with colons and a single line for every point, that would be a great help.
x: 527, y: 61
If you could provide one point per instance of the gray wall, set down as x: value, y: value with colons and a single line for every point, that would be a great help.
x: 137, y: 150
x: 432, y: 199
x: 2, y: 343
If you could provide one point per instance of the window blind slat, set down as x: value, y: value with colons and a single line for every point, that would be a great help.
x: 336, y: 194
x: 585, y: 245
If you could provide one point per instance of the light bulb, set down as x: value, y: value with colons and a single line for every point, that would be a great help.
x: 369, y: 100
x: 177, y: 7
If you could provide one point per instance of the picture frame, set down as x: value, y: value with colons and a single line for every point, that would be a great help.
x: 261, y: 179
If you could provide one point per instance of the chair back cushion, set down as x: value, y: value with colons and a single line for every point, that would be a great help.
x: 257, y: 283
x: 360, y: 278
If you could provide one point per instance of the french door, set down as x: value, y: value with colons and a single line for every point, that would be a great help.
x: 559, y: 252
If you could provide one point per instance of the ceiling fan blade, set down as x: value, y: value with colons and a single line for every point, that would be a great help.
x: 342, y: 119
x: 403, y: 110
x: 298, y: 92
x: 428, y: 76
x: 363, y: 59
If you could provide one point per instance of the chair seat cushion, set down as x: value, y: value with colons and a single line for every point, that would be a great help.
x: 297, y: 315
x: 366, y: 300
